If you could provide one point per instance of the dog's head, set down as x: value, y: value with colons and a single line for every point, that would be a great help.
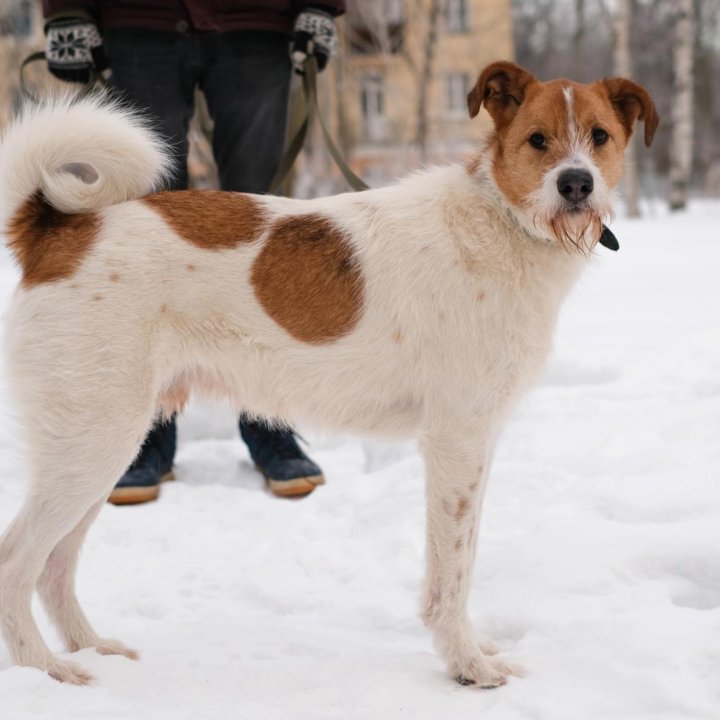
x: 558, y: 146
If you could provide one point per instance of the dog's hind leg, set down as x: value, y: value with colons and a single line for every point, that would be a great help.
x: 456, y: 467
x: 23, y: 551
x: 56, y: 587
x: 79, y: 444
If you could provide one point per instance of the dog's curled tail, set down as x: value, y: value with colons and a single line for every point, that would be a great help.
x: 81, y: 152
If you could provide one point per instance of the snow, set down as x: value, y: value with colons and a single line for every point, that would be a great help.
x: 598, y: 567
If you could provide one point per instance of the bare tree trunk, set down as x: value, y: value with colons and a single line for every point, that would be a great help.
x: 579, y: 39
x: 706, y: 26
x: 622, y: 62
x: 682, y: 118
x: 425, y: 77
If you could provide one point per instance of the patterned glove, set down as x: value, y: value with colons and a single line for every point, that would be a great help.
x: 73, y: 47
x: 314, y: 33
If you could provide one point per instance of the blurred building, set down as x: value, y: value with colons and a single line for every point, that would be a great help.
x: 398, y: 89
x: 20, y: 34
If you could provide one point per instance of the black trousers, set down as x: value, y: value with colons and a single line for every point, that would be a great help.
x: 245, y: 77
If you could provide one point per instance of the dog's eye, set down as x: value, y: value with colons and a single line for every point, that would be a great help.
x: 538, y: 141
x: 599, y: 136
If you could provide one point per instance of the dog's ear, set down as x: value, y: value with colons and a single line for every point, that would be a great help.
x: 501, y: 88
x: 632, y: 102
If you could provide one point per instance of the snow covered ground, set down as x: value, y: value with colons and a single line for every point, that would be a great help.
x: 599, y: 560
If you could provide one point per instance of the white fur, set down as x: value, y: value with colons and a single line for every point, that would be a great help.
x: 448, y: 268
x: 38, y: 147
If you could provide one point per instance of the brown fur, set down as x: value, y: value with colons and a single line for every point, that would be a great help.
x: 632, y: 102
x: 462, y: 508
x: 48, y: 244
x: 210, y: 219
x: 501, y: 88
x: 307, y: 279
x: 519, y: 168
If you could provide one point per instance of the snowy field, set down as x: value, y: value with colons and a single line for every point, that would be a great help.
x: 599, y: 560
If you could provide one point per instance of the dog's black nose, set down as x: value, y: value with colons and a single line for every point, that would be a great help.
x: 575, y: 185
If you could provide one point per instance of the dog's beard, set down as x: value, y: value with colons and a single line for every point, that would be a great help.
x: 576, y: 230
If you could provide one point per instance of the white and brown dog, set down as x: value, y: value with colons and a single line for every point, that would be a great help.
x: 421, y: 309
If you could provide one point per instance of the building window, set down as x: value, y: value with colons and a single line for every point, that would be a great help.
x: 456, y: 90
x: 372, y: 104
x: 375, y: 26
x: 456, y: 16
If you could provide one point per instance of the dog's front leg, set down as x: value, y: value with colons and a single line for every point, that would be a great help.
x: 456, y: 466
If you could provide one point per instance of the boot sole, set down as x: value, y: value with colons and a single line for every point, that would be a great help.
x: 138, y: 495
x: 297, y: 487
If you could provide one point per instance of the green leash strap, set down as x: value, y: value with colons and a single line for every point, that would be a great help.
x: 312, y: 110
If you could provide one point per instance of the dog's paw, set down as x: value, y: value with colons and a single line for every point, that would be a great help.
x: 68, y: 672
x: 485, y: 672
x: 115, y: 647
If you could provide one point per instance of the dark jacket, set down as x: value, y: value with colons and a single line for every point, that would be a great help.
x: 188, y: 15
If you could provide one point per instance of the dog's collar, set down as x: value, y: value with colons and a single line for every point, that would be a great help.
x: 608, y: 239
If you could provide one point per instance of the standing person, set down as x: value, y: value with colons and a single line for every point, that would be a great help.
x: 240, y: 54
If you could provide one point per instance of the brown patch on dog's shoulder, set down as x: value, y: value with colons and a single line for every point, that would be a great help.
x: 307, y: 279
x: 48, y: 244
x: 210, y: 219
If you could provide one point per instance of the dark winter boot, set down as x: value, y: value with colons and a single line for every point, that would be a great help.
x: 276, y: 454
x: 153, y: 465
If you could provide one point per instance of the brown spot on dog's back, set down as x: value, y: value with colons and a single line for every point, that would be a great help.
x: 114, y: 277
x: 48, y: 244
x: 210, y: 219
x: 97, y: 297
x: 190, y: 267
x: 307, y: 279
